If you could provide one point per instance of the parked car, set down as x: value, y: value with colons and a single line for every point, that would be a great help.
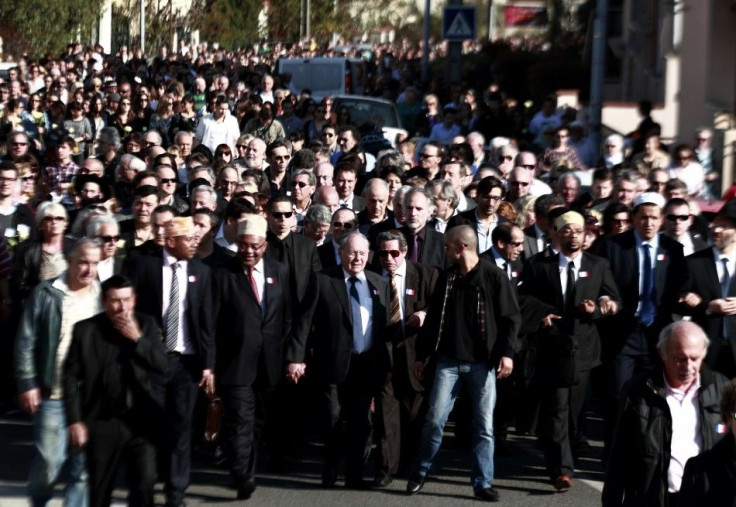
x: 324, y: 76
x: 377, y: 119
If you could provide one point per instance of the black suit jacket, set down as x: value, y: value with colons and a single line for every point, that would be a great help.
x: 703, y: 280
x: 595, y: 280
x: 326, y: 254
x: 330, y: 321
x: 433, y: 250
x: 146, y: 271
x: 670, y: 278
x: 94, y: 370
x: 710, y: 477
x: 245, y: 333
x: 299, y: 253
x: 418, y: 288
x: 468, y: 218
x: 376, y: 229
x: 531, y: 248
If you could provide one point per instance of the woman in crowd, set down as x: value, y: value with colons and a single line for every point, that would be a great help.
x: 162, y: 118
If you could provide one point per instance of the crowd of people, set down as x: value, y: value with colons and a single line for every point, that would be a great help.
x: 179, y: 229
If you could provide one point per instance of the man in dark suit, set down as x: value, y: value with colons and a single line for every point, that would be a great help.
x: 425, y: 244
x: 577, y: 289
x: 107, y: 386
x: 343, y: 222
x: 105, y: 229
x: 651, y: 274
x: 298, y: 252
x: 483, y: 218
x: 176, y: 290
x: 401, y: 406
x: 711, y: 291
x: 137, y: 230
x: 678, y: 222
x: 536, y: 236
x: 253, y: 321
x: 375, y: 195
x: 348, y: 322
x: 346, y: 177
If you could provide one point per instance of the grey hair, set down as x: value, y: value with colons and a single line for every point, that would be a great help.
x: 157, y: 139
x: 371, y: 185
x: 205, y: 188
x: 669, y: 331
x: 200, y: 168
x: 567, y: 176
x: 399, y: 195
x: 391, y: 236
x: 50, y: 207
x: 82, y: 244
x: 94, y: 225
x: 418, y: 190
x: 318, y: 214
x: 447, y: 191
x: 344, y: 240
x: 112, y: 136
x: 309, y: 174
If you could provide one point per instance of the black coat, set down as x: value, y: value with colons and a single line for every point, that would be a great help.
x: 326, y: 254
x: 670, y: 279
x: 299, y: 253
x: 94, y: 370
x: 433, y: 250
x: 703, y: 280
x: 244, y: 332
x: 146, y: 272
x: 330, y: 322
x: 710, y: 478
x: 542, y: 283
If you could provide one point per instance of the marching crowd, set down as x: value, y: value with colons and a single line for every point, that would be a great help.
x: 181, y: 228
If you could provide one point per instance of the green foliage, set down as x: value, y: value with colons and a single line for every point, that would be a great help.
x: 232, y: 23
x: 47, y: 26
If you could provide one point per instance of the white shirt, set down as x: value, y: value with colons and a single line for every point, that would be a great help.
x: 539, y: 188
x: 105, y: 269
x: 183, y: 343
x: 212, y: 133
x: 654, y: 242
x: 400, y: 281
x: 501, y: 262
x: 363, y: 334
x: 541, y: 240
x: 687, y: 244
x: 564, y: 262
x: 259, y: 275
x: 221, y: 240
x: 484, y: 239
x: 348, y: 203
x: 686, y: 435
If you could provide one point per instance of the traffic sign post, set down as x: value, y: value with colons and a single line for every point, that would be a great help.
x: 459, y: 23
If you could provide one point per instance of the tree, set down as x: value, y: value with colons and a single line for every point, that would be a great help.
x: 47, y: 26
x: 232, y: 23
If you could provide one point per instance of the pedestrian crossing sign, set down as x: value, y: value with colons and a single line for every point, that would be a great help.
x: 459, y: 23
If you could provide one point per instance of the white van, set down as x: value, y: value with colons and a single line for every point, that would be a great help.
x: 324, y: 76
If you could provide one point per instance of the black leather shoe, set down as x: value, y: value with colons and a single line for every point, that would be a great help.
x: 487, y: 494
x: 383, y: 480
x: 359, y: 484
x: 415, y: 484
x: 246, y: 489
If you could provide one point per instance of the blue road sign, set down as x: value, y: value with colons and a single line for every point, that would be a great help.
x: 459, y: 22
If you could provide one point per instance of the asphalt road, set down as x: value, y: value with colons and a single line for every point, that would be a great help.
x: 520, y: 477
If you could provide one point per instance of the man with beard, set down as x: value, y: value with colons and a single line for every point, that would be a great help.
x: 577, y: 289
x: 483, y: 218
x: 711, y: 294
x: 424, y: 243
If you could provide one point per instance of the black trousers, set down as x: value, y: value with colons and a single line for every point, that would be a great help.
x: 348, y: 409
x: 176, y: 392
x: 240, y: 421
x: 111, y: 442
x: 400, y: 412
x: 558, y: 424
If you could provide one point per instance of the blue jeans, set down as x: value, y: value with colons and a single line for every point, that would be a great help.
x: 50, y: 438
x: 480, y: 381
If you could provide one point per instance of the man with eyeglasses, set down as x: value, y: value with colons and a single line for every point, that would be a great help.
x: 506, y: 156
x: 677, y: 223
x: 576, y: 289
x: 279, y: 155
x: 167, y: 186
x: 18, y: 145
x: 685, y: 167
x: 303, y: 184
x: 106, y: 230
x: 528, y: 161
x: 711, y: 294
x: 664, y: 419
x: 483, y: 218
x: 329, y: 138
x: 344, y: 221
x: 430, y: 158
x: 402, y: 405
x: 324, y: 171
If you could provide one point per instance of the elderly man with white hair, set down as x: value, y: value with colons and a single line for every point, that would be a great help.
x: 664, y: 419
x: 204, y: 196
x: 105, y: 229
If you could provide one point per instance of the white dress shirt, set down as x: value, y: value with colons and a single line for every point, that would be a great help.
x: 564, y: 261
x: 183, y: 343
x: 259, y: 275
x: 484, y: 239
x: 105, y: 269
x: 363, y: 334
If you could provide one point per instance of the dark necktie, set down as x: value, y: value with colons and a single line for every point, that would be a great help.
x: 569, y: 298
x: 506, y: 270
x: 647, y: 303
x: 395, y: 314
x: 414, y: 248
x: 172, y: 313
x: 253, y: 285
x: 355, y: 306
x: 725, y: 282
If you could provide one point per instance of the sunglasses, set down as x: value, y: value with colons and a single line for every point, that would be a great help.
x: 282, y: 214
x: 167, y: 181
x: 19, y: 144
x: 299, y: 184
x: 386, y: 253
x: 515, y: 244
x: 54, y: 219
x: 679, y: 218
x: 97, y: 207
x: 278, y: 158
x: 519, y: 183
x: 109, y: 239
x: 28, y: 178
x: 507, y: 158
x: 344, y: 225
x: 241, y: 146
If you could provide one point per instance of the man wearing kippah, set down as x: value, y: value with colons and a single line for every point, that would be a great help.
x: 175, y: 289
x: 577, y: 289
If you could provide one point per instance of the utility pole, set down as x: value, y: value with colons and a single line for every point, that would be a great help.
x: 597, y: 71
x: 425, y: 49
x: 143, y: 27
x: 454, y: 54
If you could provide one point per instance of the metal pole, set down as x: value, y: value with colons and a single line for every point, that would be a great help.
x: 597, y: 71
x: 143, y: 27
x: 425, y: 50
x: 309, y: 27
x: 454, y: 54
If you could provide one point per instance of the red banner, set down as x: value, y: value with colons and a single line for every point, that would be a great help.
x: 526, y: 17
